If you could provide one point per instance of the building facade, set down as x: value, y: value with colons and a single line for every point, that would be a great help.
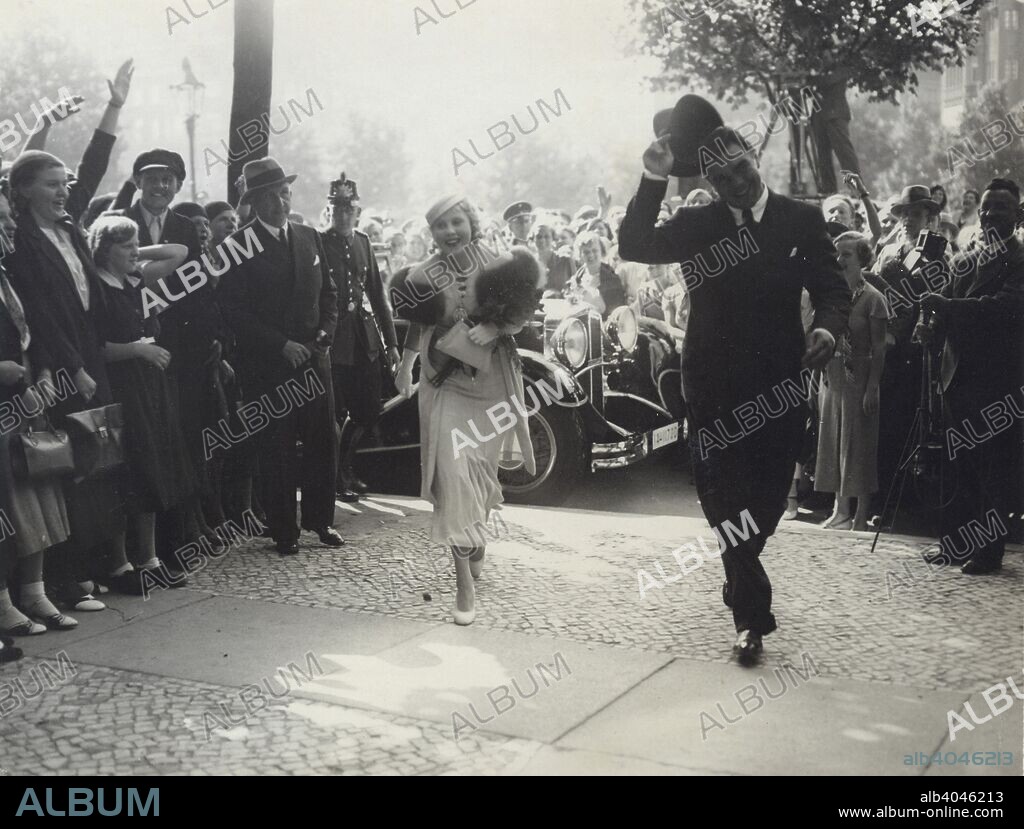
x: 998, y: 57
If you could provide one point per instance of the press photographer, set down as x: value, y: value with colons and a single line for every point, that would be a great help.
x: 903, y: 270
x: 978, y: 328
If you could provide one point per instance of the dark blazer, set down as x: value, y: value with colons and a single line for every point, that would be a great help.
x: 358, y: 325
x: 65, y: 335
x: 745, y: 334
x: 177, y: 230
x: 983, y: 326
x: 71, y: 336
x: 277, y: 295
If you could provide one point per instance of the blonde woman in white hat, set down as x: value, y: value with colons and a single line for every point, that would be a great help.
x: 459, y: 472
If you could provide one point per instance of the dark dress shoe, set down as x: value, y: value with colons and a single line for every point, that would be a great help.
x: 981, y: 566
x: 347, y: 495
x: 288, y: 548
x: 9, y: 652
x: 358, y: 486
x: 174, y: 577
x: 748, y: 647
x: 330, y: 537
x: 130, y: 583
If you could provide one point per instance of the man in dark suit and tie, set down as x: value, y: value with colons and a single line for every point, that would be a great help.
x: 979, y: 325
x: 364, y: 317
x: 283, y: 307
x: 745, y: 259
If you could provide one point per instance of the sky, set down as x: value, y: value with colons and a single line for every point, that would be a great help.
x: 445, y: 82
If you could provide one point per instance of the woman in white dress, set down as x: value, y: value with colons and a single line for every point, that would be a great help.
x: 457, y: 403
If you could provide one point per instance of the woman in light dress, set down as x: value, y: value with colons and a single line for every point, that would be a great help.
x: 849, y: 399
x: 457, y: 402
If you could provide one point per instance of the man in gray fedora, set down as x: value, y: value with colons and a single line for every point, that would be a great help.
x: 283, y: 307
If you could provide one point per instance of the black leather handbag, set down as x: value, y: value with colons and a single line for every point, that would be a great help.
x: 97, y: 438
x: 38, y: 454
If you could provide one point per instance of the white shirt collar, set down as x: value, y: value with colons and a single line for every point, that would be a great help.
x: 757, y: 210
x: 113, y: 281
x: 274, y: 231
x: 151, y: 216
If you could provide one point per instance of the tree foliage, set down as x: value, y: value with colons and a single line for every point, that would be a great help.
x: 898, y: 146
x: 737, y: 46
x: 986, y: 158
x: 35, y: 67
x: 373, y: 152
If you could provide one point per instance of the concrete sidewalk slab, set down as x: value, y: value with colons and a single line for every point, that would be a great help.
x: 229, y: 641
x: 563, y: 762
x: 477, y: 679
x: 998, y: 742
x: 121, y: 612
x: 692, y: 715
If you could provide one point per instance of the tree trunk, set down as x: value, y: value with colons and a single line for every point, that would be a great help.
x: 254, y: 73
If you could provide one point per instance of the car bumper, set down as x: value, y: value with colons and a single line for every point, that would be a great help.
x: 633, y: 448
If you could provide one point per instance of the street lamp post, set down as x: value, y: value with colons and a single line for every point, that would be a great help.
x: 193, y: 89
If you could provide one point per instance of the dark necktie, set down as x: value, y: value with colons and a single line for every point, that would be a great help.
x: 748, y: 219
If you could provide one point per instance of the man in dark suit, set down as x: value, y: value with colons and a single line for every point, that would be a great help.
x: 364, y: 316
x: 283, y: 307
x: 979, y: 324
x: 189, y: 327
x: 745, y: 259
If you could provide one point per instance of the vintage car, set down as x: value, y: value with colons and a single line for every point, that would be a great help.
x: 609, y: 395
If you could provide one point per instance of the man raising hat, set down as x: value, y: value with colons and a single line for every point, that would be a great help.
x: 744, y: 339
x: 283, y: 308
x: 364, y: 319
x: 519, y: 218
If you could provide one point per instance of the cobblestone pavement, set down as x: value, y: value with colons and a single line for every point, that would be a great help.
x: 882, y: 617
x: 110, y: 722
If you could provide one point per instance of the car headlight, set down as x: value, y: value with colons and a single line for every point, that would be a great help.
x: 570, y: 343
x: 622, y: 328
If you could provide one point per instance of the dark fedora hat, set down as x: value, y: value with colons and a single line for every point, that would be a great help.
x: 688, y: 125
x: 160, y: 159
x: 916, y: 194
x: 260, y: 174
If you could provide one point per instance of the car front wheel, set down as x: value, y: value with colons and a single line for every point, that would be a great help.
x: 558, y: 448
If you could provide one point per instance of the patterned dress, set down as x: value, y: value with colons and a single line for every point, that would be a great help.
x: 848, y: 440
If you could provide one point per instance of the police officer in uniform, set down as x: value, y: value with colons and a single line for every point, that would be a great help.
x: 519, y: 218
x: 364, y: 319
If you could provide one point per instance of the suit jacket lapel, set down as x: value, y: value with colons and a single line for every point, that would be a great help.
x: 54, y: 255
x: 993, y: 268
x: 136, y: 215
